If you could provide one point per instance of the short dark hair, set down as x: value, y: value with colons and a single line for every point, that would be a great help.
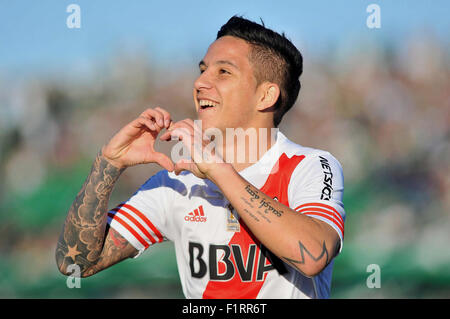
x: 274, y: 57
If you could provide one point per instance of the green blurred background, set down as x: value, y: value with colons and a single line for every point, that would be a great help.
x: 377, y: 99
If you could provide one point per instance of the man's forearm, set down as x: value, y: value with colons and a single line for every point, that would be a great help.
x: 303, y: 242
x: 82, y: 237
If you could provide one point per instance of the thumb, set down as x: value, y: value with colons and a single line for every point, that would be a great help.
x: 182, y: 165
x: 163, y: 161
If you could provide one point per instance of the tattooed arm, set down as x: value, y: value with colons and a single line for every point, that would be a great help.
x: 306, y: 243
x: 86, y: 240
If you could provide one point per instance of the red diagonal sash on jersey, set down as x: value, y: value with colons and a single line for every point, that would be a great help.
x: 276, y: 186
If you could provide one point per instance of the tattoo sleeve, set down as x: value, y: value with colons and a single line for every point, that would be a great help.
x: 83, y: 237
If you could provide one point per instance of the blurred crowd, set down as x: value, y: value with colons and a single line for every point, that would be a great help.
x: 383, y: 112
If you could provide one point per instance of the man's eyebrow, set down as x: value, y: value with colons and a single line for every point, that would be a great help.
x: 228, y: 63
x: 202, y: 63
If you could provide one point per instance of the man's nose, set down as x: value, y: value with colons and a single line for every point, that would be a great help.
x: 203, y: 81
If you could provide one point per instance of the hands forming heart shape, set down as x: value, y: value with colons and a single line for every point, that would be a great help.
x: 134, y: 144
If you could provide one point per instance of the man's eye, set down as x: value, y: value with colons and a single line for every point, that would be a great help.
x: 223, y: 71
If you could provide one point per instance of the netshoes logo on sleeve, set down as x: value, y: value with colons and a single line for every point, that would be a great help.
x: 198, y: 215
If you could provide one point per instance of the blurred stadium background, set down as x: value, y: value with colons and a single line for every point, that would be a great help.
x: 378, y: 99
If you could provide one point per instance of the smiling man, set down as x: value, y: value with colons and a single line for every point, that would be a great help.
x: 268, y: 228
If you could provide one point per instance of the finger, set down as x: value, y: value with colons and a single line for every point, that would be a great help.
x: 176, y: 129
x: 186, y: 137
x: 185, y: 122
x: 166, y: 117
x: 172, y: 134
x: 182, y: 134
x: 156, y: 115
x: 166, y: 136
x: 191, y: 137
x: 146, y: 122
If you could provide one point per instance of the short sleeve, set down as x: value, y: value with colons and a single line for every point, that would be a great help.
x: 316, y: 189
x: 142, y: 219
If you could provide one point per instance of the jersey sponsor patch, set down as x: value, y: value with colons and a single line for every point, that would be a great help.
x: 327, y: 190
x: 228, y: 263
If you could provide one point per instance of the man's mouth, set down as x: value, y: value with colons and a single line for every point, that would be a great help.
x: 206, y: 104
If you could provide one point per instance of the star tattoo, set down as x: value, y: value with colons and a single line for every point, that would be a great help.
x: 72, y: 252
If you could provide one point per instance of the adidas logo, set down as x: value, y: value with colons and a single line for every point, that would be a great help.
x: 198, y: 215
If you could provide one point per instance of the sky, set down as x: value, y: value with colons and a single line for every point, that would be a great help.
x: 34, y: 35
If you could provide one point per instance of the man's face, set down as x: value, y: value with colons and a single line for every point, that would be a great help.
x: 225, y: 92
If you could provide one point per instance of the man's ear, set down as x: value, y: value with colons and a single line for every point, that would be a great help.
x: 268, y: 97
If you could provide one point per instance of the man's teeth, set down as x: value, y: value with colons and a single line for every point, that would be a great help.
x: 206, y: 103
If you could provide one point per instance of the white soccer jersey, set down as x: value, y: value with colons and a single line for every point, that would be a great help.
x: 217, y: 255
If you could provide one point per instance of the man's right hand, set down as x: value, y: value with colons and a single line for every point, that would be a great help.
x: 134, y: 143
x: 86, y: 239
